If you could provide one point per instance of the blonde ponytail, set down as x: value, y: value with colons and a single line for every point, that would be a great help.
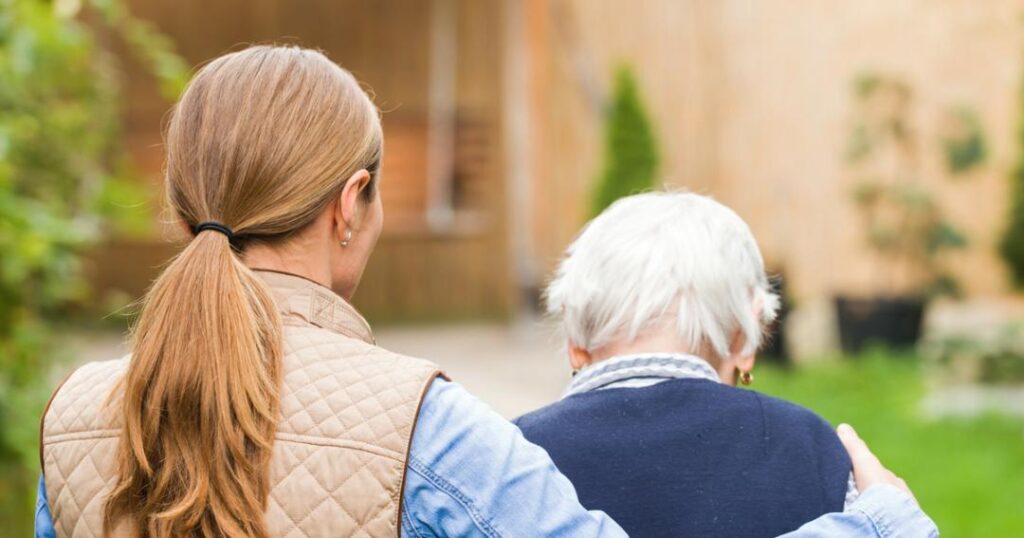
x: 201, y: 399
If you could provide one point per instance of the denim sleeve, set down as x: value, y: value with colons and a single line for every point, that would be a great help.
x: 882, y: 511
x: 472, y: 473
x: 44, y: 522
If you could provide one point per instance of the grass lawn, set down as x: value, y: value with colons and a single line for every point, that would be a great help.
x: 967, y: 474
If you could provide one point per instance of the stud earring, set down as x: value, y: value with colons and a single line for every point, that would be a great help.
x: 347, y: 240
x: 746, y: 378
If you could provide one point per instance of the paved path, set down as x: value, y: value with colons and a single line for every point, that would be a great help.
x: 514, y: 368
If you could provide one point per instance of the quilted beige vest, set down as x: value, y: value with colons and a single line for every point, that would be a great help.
x: 348, y: 409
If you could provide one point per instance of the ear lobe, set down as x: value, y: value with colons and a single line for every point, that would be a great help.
x: 746, y: 362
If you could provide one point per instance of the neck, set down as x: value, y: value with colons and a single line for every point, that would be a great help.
x: 657, y: 342
x: 259, y: 256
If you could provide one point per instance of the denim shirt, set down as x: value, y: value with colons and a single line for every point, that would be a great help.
x: 471, y: 473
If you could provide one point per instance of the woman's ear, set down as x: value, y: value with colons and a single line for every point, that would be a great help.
x: 349, y: 210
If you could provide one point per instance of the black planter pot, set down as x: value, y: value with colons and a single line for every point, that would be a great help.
x: 890, y: 321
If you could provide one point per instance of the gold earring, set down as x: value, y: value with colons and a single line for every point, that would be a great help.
x: 746, y: 378
x: 348, y: 238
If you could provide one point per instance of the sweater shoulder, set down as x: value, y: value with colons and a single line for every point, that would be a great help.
x: 782, y: 414
x: 787, y: 424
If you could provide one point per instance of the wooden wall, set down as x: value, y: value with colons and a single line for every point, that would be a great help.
x: 418, y: 271
x: 751, y: 103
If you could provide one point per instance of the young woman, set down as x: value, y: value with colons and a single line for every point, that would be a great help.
x: 255, y: 402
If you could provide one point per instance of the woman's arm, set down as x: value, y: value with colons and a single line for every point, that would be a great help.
x: 882, y: 510
x: 471, y: 473
x: 44, y: 521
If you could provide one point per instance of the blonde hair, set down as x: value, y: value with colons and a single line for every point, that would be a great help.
x: 261, y: 141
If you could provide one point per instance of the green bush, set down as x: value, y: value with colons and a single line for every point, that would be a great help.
x: 64, y: 182
x: 630, y: 152
x: 1011, y: 247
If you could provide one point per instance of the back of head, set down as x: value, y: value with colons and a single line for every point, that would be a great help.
x: 660, y: 258
x: 260, y: 142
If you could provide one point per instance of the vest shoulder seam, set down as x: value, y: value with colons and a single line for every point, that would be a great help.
x: 338, y: 443
x: 281, y: 436
x: 80, y: 436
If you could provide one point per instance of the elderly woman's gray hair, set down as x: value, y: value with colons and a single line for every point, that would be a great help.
x: 658, y: 258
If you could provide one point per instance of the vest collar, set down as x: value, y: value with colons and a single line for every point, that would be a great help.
x: 308, y: 302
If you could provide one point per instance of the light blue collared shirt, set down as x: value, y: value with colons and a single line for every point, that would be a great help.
x: 471, y: 473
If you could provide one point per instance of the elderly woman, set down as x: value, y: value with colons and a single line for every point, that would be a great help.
x: 664, y: 300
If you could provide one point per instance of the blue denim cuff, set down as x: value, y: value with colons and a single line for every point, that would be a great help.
x: 894, y: 513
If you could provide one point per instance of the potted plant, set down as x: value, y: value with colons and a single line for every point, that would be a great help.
x: 903, y: 226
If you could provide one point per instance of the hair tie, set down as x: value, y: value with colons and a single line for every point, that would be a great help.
x: 217, y: 227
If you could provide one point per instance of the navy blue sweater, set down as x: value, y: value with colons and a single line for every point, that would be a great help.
x: 691, y: 457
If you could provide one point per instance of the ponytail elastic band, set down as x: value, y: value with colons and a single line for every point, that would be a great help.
x: 217, y: 227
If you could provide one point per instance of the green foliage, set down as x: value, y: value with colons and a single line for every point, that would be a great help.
x: 630, y: 152
x: 64, y: 183
x: 902, y: 223
x: 995, y: 358
x: 1011, y: 246
x: 968, y: 473
x: 963, y: 141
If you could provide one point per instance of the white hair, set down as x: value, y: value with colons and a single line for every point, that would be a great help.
x: 660, y: 254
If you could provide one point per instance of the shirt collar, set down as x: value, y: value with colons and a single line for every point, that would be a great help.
x: 302, y: 301
x: 640, y: 370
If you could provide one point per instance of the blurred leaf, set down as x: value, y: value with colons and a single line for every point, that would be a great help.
x: 963, y: 141
x: 912, y: 197
x: 944, y: 235
x: 859, y: 144
x: 868, y: 192
x: 882, y: 238
x: 865, y: 85
x: 943, y: 284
